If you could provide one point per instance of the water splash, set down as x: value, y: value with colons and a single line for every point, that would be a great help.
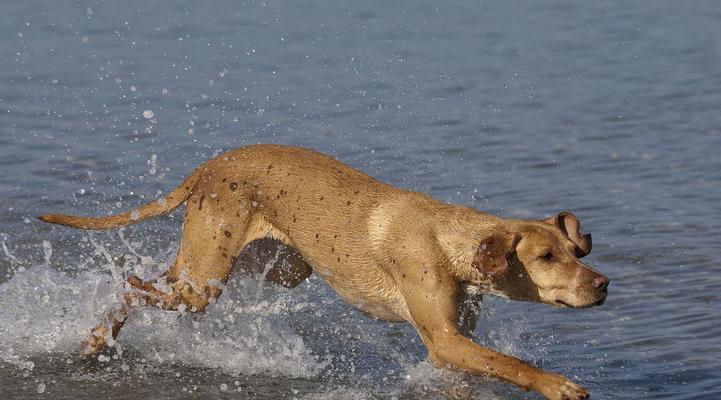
x: 46, y: 311
x: 255, y: 329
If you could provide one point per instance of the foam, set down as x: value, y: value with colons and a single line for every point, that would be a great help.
x: 46, y: 311
x: 228, y: 336
x: 427, y: 381
x: 338, y: 393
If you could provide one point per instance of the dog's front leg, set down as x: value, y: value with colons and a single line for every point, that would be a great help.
x: 432, y: 305
x: 469, y: 306
x: 453, y: 350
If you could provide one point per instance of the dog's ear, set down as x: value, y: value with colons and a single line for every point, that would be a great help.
x: 570, y: 225
x: 491, y: 257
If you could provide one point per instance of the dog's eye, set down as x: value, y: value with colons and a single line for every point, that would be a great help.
x: 548, y: 256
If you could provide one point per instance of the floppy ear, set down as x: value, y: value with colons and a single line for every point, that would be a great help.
x: 491, y: 257
x: 570, y: 225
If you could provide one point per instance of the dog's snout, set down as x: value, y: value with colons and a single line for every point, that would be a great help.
x: 600, y: 282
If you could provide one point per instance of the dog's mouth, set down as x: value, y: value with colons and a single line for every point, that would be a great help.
x: 563, y: 304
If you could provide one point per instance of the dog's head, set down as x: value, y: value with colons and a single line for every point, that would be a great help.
x: 539, y: 261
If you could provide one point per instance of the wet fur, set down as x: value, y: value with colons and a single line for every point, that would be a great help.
x: 396, y: 255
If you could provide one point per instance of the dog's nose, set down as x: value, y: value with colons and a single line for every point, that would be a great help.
x: 600, y: 282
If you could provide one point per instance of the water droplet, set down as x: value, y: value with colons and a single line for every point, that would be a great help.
x: 47, y: 251
x: 153, y: 164
x: 148, y: 114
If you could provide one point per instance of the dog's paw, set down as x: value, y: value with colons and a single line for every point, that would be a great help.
x: 93, y: 343
x: 135, y: 282
x: 558, y: 387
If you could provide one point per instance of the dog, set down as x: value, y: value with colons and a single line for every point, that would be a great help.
x: 395, y: 254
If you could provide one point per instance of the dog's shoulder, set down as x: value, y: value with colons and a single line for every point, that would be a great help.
x: 400, y: 216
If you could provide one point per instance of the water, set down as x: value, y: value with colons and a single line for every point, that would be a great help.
x: 609, y: 109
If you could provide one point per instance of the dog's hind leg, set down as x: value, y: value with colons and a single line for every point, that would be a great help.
x: 157, y: 292
x: 212, y: 237
x: 97, y: 338
x: 278, y: 262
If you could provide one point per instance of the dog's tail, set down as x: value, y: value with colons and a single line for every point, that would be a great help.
x: 162, y: 206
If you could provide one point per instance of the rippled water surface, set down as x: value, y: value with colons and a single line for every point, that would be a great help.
x: 522, y: 109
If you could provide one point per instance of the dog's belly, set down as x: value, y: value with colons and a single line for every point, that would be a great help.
x: 380, y: 312
x: 381, y: 303
x: 377, y: 308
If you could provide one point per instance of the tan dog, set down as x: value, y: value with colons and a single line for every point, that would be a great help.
x: 396, y: 255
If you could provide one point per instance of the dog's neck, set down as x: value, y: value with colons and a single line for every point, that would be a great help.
x: 461, y: 235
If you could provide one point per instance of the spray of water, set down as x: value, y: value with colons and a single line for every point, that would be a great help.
x: 46, y: 311
x: 254, y: 329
